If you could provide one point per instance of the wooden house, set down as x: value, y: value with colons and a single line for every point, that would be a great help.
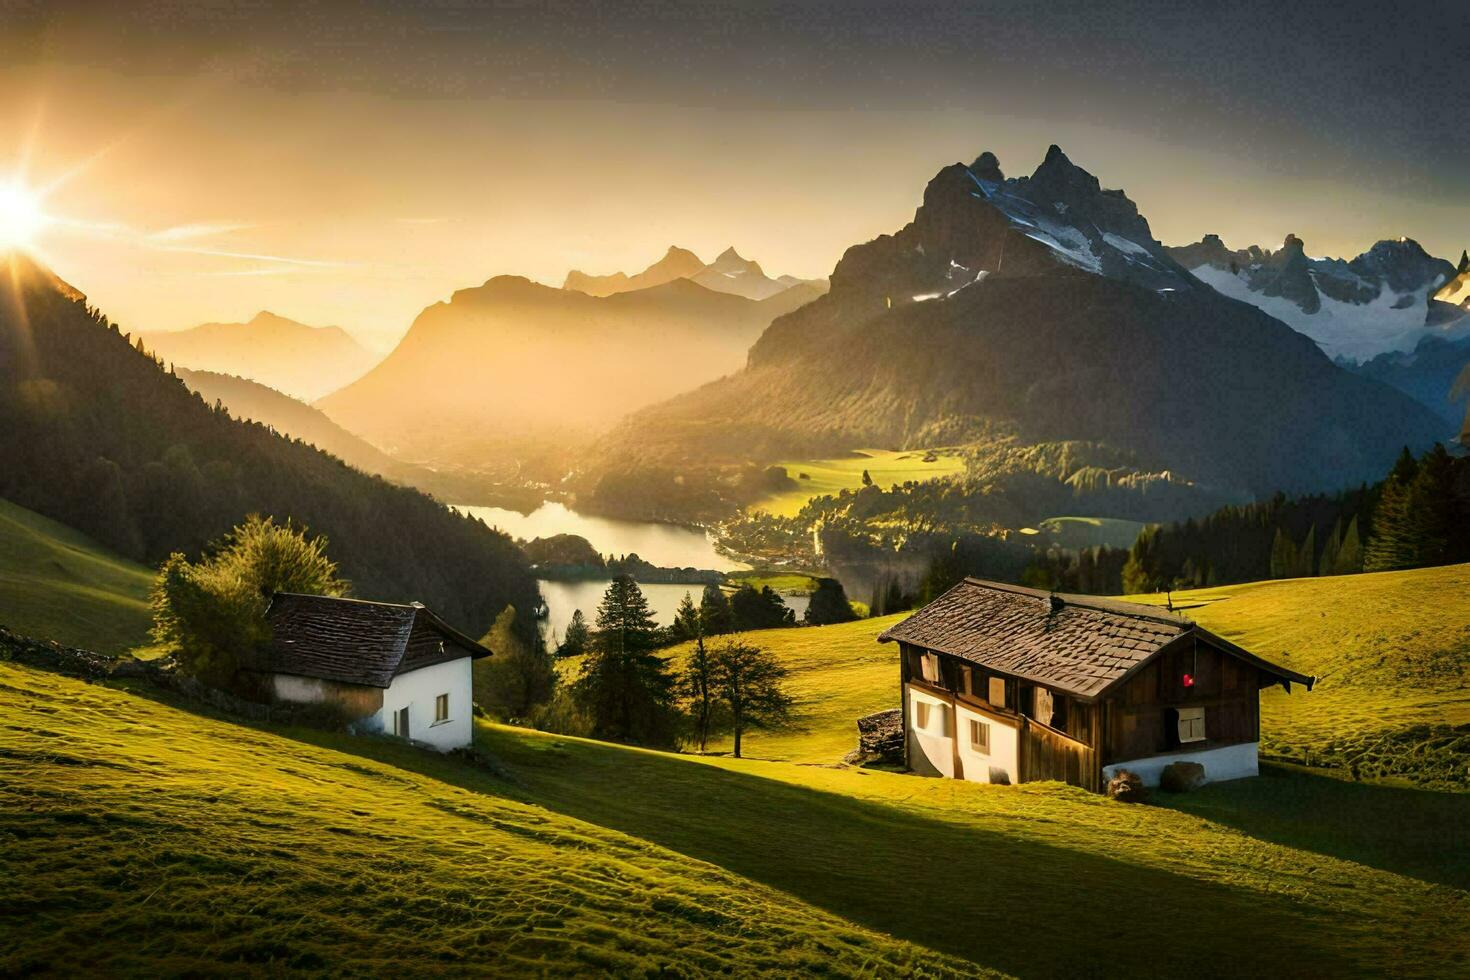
x: 1004, y: 684
x: 390, y: 668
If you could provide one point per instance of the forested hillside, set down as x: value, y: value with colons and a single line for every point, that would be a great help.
x: 100, y: 437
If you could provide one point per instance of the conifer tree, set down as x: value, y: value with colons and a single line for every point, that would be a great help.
x: 1350, y: 555
x: 714, y: 610
x: 626, y: 688
x: 578, y: 637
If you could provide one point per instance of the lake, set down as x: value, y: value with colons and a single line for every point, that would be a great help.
x: 667, y: 545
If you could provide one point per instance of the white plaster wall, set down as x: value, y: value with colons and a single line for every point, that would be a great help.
x: 303, y: 690
x: 931, y: 750
x: 1003, y: 764
x: 1221, y: 763
x: 417, y: 690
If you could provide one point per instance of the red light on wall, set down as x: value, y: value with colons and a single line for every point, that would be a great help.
x: 1189, y: 680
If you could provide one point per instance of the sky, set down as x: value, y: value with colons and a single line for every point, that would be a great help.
x: 350, y: 164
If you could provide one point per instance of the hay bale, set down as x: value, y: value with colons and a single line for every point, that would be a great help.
x: 1127, y: 787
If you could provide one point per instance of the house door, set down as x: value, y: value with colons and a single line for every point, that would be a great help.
x: 400, y: 722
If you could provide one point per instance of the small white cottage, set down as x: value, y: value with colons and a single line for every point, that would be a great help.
x: 397, y: 669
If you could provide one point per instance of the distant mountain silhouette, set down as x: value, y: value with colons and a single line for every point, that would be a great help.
x: 255, y: 402
x: 304, y: 362
x: 1042, y: 308
x: 728, y: 273
x: 1427, y: 374
x: 516, y: 363
x: 1384, y: 300
x: 677, y: 263
x: 99, y: 436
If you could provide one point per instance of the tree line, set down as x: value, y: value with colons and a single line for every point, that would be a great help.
x: 1418, y: 515
x: 101, y: 437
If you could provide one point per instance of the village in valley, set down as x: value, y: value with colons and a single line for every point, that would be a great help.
x: 980, y: 571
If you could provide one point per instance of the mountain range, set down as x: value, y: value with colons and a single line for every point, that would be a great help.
x: 302, y: 361
x: 728, y: 273
x: 1041, y: 307
x: 1384, y: 300
x: 513, y: 369
x: 100, y: 436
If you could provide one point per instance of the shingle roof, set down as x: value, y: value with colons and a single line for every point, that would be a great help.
x: 358, y: 642
x: 1082, y: 645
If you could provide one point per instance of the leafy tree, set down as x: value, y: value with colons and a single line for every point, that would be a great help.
x: 519, y: 677
x: 749, y: 682
x: 578, y: 637
x: 829, y: 604
x: 760, y: 609
x: 715, y: 611
x: 213, y: 611
x: 625, y: 688
x: 696, y: 683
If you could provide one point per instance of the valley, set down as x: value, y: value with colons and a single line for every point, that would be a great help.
x: 925, y: 568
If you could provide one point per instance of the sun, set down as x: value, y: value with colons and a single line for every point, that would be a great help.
x: 21, y: 215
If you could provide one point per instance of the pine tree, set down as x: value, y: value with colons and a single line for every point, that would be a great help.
x: 829, y: 604
x: 1283, y: 556
x: 1350, y: 555
x: 1331, y: 548
x: 626, y: 689
x: 578, y: 637
x: 1305, y: 555
x: 1395, y: 535
x: 714, y: 609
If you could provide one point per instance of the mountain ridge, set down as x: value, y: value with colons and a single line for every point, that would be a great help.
x: 1043, y: 307
x: 287, y: 355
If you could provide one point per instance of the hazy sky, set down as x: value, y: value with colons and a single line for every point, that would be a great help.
x: 351, y: 164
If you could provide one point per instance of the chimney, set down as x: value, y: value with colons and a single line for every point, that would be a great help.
x: 1055, y: 603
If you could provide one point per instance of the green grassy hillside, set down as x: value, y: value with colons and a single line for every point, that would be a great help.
x: 831, y: 476
x: 1392, y: 654
x: 152, y: 840
x: 155, y: 842
x: 1392, y: 650
x: 58, y: 584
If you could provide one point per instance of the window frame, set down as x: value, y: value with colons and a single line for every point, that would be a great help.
x: 441, y: 708
x: 978, y: 725
x: 990, y: 690
x: 1190, y: 724
x: 401, y: 722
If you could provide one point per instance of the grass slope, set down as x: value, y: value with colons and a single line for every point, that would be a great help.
x: 832, y: 476
x: 152, y: 840
x: 1392, y: 654
x: 1392, y: 650
x: 58, y: 584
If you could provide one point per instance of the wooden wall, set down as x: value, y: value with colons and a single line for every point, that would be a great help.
x: 1136, y: 718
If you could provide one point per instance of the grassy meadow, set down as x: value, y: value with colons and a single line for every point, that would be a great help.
x: 58, y: 584
x: 152, y: 839
x: 1392, y: 656
x: 831, y: 476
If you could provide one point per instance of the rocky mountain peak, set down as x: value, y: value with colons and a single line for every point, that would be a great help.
x: 987, y: 168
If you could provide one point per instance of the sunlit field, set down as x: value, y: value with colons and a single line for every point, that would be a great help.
x: 152, y: 839
x: 59, y: 584
x: 1389, y: 658
x: 830, y: 476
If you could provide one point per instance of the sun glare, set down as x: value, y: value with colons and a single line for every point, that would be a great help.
x: 21, y: 217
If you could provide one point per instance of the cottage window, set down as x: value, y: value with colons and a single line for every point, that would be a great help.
x: 1191, y: 725
x: 400, y: 722
x: 980, y: 737
x: 932, y: 718
x: 929, y: 664
x: 441, y: 708
x: 922, y: 710
x: 997, y: 692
